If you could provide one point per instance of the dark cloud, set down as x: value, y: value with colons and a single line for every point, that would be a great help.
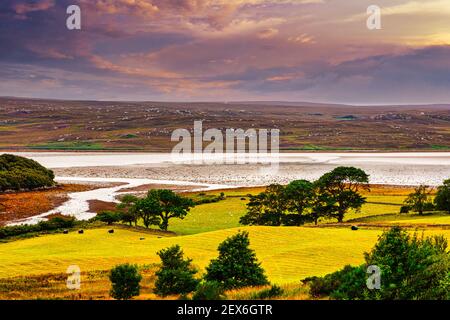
x: 195, y: 49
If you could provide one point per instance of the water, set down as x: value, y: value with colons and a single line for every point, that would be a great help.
x: 78, y: 205
x: 386, y: 168
x: 74, y: 159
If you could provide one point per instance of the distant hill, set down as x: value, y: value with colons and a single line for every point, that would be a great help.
x: 37, y: 124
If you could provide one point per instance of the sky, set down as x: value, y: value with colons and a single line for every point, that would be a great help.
x: 227, y: 50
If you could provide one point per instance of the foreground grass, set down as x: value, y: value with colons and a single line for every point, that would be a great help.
x: 288, y: 254
x: 95, y: 285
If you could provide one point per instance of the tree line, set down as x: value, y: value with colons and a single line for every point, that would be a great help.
x: 421, y: 201
x: 301, y: 201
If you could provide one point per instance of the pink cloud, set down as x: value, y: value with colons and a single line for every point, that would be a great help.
x: 23, y: 8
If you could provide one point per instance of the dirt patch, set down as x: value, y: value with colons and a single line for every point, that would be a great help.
x: 21, y: 205
x: 98, y: 206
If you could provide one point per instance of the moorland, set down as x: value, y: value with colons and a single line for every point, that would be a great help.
x: 33, y: 124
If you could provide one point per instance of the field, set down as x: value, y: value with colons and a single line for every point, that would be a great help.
x: 147, y: 126
x: 288, y: 254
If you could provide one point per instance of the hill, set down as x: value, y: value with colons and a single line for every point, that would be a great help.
x: 33, y: 124
x: 19, y: 173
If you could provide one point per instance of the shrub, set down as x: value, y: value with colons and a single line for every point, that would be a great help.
x: 412, y: 268
x: 209, y: 290
x: 236, y: 265
x: 125, y: 281
x: 442, y: 199
x: 348, y: 283
x: 54, y: 223
x: 18, y: 173
x: 405, y: 209
x: 176, y: 275
x: 419, y: 200
x: 108, y: 217
x: 272, y: 292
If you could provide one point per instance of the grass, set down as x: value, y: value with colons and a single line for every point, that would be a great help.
x: 440, y: 218
x: 288, y: 254
x: 225, y: 214
x: 96, y: 285
x: 439, y: 147
x: 68, y: 145
x: 210, y: 217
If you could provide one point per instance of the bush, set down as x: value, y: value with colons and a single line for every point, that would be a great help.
x: 125, y: 281
x: 17, y: 173
x: 176, y: 275
x: 348, y: 283
x: 442, y: 199
x: 54, y: 223
x: 209, y: 290
x: 405, y: 209
x: 412, y: 268
x: 108, y: 217
x: 236, y: 265
x: 272, y: 292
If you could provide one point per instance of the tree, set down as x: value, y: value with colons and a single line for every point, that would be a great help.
x: 412, y: 268
x: 167, y: 205
x: 419, y: 200
x: 342, y: 186
x: 442, y: 199
x: 19, y: 173
x: 176, y: 275
x: 299, y: 196
x: 266, y: 208
x: 323, y: 206
x: 148, y: 209
x: 126, y: 207
x: 236, y: 265
x: 125, y: 281
x: 109, y: 217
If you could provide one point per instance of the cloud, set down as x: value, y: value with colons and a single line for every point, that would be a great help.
x: 267, y: 33
x: 302, y: 38
x: 429, y: 7
x: 23, y: 8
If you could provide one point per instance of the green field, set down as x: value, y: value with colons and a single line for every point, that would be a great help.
x: 210, y: 217
x: 288, y: 254
x: 225, y: 214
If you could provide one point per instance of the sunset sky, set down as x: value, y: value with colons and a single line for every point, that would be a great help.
x: 227, y: 50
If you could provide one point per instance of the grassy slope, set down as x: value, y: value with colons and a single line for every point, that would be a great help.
x: 209, y: 217
x: 225, y: 214
x: 287, y: 254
